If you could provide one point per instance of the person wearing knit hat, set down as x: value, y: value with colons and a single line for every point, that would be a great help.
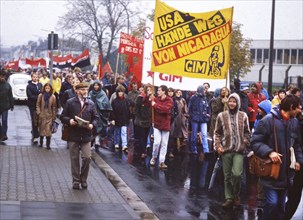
x: 231, y: 139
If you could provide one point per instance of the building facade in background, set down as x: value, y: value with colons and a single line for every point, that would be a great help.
x: 287, y: 62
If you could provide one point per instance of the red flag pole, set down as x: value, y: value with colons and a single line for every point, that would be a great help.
x: 117, y: 62
x: 100, y: 75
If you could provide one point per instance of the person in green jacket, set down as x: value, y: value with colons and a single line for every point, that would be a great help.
x: 6, y: 103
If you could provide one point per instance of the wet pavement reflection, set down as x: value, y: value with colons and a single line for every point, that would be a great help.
x: 181, y: 191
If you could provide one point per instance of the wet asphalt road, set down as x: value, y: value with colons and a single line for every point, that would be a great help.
x: 176, y: 193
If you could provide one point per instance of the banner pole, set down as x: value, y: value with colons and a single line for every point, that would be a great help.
x: 117, y: 63
x: 153, y: 92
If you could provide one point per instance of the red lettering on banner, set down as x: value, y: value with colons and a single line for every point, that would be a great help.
x: 191, y: 46
x: 170, y: 78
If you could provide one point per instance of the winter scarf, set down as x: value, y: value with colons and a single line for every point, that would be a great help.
x: 46, y: 96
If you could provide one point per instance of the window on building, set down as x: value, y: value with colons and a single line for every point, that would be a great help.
x: 286, y: 56
x: 253, y: 55
x: 300, y: 60
x: 259, y: 56
x: 279, y: 56
x: 266, y: 56
x: 293, y: 58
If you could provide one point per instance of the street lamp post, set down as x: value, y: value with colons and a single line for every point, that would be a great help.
x: 271, y: 46
x: 51, y: 57
x: 52, y: 44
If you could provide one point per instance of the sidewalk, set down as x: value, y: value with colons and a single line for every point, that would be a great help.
x: 35, y: 183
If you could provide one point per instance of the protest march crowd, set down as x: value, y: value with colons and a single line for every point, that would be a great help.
x: 231, y: 123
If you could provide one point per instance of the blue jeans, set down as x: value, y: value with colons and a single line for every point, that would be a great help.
x: 274, y: 204
x: 120, y: 132
x: 194, y: 131
x: 3, y: 125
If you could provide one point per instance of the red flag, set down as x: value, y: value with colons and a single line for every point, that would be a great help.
x: 82, y: 60
x: 137, y: 71
x: 130, y: 63
x: 106, y: 68
x: 100, y: 74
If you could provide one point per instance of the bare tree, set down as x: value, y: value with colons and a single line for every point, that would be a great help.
x: 98, y: 21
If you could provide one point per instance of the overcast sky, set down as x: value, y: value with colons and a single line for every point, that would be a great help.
x: 24, y: 20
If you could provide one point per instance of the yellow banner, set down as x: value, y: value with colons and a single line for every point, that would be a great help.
x: 194, y: 45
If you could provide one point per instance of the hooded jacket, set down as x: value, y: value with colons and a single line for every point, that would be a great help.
x: 198, y: 107
x: 99, y: 98
x: 232, y: 140
x: 287, y: 135
x: 264, y: 106
x: 255, y: 99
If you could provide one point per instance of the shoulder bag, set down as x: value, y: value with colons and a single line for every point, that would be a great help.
x: 265, y: 167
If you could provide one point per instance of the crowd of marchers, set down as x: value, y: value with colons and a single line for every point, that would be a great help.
x: 162, y: 120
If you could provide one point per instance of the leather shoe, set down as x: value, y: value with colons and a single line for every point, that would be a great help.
x: 76, y: 185
x: 3, y: 138
x: 84, y: 185
x: 228, y: 204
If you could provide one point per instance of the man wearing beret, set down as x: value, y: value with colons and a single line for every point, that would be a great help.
x: 6, y: 103
x: 80, y: 135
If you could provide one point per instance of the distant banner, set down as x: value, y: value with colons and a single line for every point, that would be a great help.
x: 130, y: 45
x: 174, y: 81
x: 13, y: 65
x: 36, y: 63
x: 195, y: 45
x: 69, y: 61
x: 82, y: 60
x: 63, y: 62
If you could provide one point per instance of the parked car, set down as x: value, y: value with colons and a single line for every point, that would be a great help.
x: 18, y: 82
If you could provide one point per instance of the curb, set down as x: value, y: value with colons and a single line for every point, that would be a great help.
x: 137, y: 205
